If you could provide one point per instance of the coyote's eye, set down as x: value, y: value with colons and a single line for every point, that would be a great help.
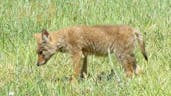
x: 39, y: 52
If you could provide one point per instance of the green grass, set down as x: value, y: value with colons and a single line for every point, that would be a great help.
x: 20, y: 19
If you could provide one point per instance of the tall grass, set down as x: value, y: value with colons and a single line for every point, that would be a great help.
x: 20, y: 19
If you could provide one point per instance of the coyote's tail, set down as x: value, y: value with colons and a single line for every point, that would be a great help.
x: 141, y: 44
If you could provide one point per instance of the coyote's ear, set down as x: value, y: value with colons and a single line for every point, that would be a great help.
x: 45, y: 35
x: 38, y: 37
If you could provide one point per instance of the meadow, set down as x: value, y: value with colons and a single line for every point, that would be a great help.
x: 20, y: 19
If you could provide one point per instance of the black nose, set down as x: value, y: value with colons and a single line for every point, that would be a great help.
x: 38, y: 64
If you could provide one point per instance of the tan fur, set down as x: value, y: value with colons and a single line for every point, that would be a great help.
x: 81, y: 41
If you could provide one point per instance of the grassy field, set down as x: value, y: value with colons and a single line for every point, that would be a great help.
x: 20, y: 19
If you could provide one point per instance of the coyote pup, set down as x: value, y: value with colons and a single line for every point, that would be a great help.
x: 100, y: 40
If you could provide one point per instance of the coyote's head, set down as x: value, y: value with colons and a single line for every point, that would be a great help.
x: 45, y: 47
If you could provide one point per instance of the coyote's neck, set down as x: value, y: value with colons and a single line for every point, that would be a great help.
x: 58, y: 41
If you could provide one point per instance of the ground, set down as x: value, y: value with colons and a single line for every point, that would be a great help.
x: 20, y: 19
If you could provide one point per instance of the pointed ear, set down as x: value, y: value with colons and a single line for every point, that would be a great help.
x: 37, y: 36
x: 45, y: 35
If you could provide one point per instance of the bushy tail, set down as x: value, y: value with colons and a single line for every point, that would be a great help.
x: 141, y: 44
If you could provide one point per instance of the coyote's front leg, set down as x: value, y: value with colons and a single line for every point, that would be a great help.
x: 76, y: 58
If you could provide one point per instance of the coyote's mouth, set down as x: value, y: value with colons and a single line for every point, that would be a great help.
x: 41, y: 63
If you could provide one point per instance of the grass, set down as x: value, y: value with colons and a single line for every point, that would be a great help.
x: 20, y: 19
